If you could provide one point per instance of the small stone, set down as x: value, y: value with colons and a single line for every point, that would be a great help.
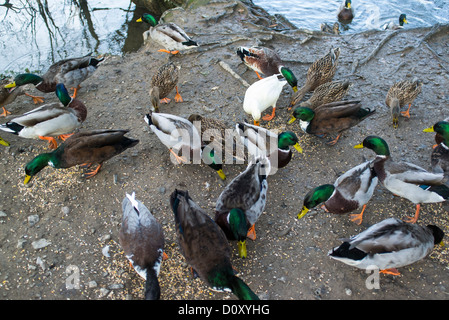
x: 33, y: 219
x: 3, y: 214
x: 65, y: 210
x: 105, y: 251
x: 116, y: 286
x: 348, y: 292
x: 105, y: 238
x: 20, y: 243
x: 103, y: 292
x: 92, y: 284
x: 41, y: 243
x: 162, y: 190
x: 41, y: 263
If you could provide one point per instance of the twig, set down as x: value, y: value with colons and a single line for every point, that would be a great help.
x: 226, y: 66
x: 374, y: 52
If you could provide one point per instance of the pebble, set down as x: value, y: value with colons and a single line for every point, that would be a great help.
x: 65, y: 210
x: 33, y: 219
x: 348, y: 292
x: 103, y: 292
x: 3, y: 214
x: 92, y: 284
x: 41, y: 243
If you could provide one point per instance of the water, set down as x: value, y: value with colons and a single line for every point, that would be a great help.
x: 37, y: 33
x: 368, y: 14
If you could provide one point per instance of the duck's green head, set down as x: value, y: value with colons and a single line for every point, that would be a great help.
x: 209, y: 158
x: 375, y: 143
x: 148, y: 18
x: 290, y: 77
x: 302, y: 113
x: 24, y: 78
x: 348, y: 4
x: 62, y: 94
x: 239, y: 228
x: 315, y: 197
x: 402, y: 19
x: 287, y: 139
x: 441, y: 127
x: 37, y: 164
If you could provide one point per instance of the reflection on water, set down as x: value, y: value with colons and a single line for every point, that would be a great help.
x: 36, y: 33
x: 368, y: 14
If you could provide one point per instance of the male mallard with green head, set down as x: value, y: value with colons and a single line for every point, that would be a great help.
x: 393, y: 26
x: 142, y: 239
x: 242, y: 202
x: 350, y: 191
x: 266, y: 61
x: 71, y: 72
x: 440, y: 155
x: 405, y: 179
x: 50, y: 120
x: 82, y: 148
x: 334, y: 117
x: 346, y: 13
x: 205, y: 247
x: 169, y: 35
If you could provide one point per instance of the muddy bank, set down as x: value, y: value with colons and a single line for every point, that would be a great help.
x: 76, y: 221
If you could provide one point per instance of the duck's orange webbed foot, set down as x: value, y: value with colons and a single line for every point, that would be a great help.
x: 52, y: 144
x: 4, y: 113
x: 36, y: 99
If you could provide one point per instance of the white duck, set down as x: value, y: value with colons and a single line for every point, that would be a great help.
x: 261, y: 95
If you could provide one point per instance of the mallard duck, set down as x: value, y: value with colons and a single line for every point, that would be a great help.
x: 346, y: 12
x: 162, y: 83
x: 205, y: 247
x: 440, y: 155
x: 334, y: 117
x: 387, y: 245
x: 405, y: 179
x: 71, y: 72
x: 169, y: 35
x: 334, y: 29
x: 326, y: 93
x: 321, y: 71
x: 266, y: 61
x: 402, y: 93
x: 242, y: 202
x: 261, y: 95
x: 177, y: 134
x: 3, y: 142
x: 82, y: 148
x: 142, y: 240
x: 7, y: 95
x: 260, y: 141
x: 393, y: 26
x: 350, y: 191
x: 53, y: 119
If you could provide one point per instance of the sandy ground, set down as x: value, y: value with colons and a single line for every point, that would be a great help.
x: 79, y: 219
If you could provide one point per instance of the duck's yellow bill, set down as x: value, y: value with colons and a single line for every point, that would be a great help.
x: 11, y: 85
x: 303, y: 212
x: 221, y: 174
x: 139, y: 20
x: 297, y: 147
x: 405, y: 21
x: 359, y: 146
x: 292, y: 119
x: 4, y: 142
x: 242, y: 249
x: 429, y: 129
x: 27, y: 179
x: 295, y: 88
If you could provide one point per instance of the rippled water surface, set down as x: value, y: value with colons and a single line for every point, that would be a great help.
x: 36, y: 33
x: 368, y: 14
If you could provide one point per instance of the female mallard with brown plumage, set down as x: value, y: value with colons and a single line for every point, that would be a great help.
x: 402, y: 93
x: 334, y: 29
x: 242, y: 202
x: 162, y: 83
x: 82, y: 148
x: 169, y: 35
x: 71, y: 72
x: 326, y: 93
x: 260, y: 141
x: 350, y: 191
x: 142, y: 239
x: 266, y: 61
x: 205, y: 247
x: 50, y: 120
x: 321, y: 71
x: 334, y: 117
x: 405, y: 179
